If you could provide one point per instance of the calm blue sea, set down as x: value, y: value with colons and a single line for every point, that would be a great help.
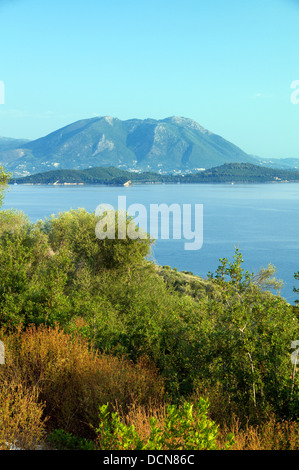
x: 261, y: 219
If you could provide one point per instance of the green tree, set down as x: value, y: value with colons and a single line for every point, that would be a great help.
x: 250, y: 341
x: 33, y: 279
x: 76, y: 230
x: 4, y: 179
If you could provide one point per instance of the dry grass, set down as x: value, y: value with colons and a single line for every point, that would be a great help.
x: 51, y: 374
x: 73, y: 380
x: 265, y: 431
x: 21, y: 423
x: 271, y: 435
x: 139, y: 416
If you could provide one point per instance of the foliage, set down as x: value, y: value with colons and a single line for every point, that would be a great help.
x: 265, y: 279
x: 186, y: 427
x: 4, y: 179
x: 252, y: 335
x: 75, y: 230
x: 296, y: 289
x: 63, y: 440
x: 100, y: 307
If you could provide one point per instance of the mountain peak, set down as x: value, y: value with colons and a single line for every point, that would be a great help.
x: 187, y: 122
x: 109, y: 119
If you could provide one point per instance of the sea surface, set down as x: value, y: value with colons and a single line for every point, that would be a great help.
x: 262, y: 220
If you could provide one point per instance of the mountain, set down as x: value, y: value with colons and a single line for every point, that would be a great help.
x: 174, y: 144
x: 227, y: 173
x: 281, y: 163
x: 7, y: 143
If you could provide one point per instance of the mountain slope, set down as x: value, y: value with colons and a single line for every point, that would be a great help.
x: 167, y: 145
x: 281, y: 163
x: 7, y: 143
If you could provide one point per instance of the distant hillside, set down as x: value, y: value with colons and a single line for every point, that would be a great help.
x: 99, y: 175
x: 243, y: 173
x: 281, y: 163
x: 7, y: 143
x: 227, y: 173
x: 163, y: 146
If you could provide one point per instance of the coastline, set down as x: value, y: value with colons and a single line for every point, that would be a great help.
x: 153, y: 183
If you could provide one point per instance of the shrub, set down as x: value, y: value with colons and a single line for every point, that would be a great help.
x: 186, y: 427
x: 66, y: 441
x: 270, y: 435
x: 21, y: 423
x: 74, y: 380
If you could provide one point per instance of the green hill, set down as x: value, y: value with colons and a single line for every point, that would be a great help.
x: 242, y: 173
x: 228, y: 173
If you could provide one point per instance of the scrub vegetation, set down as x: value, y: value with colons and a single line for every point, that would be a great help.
x: 106, y: 350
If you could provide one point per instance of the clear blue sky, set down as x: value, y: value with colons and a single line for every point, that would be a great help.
x: 228, y: 64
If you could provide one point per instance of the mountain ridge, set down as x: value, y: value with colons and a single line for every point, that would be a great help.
x: 172, y: 144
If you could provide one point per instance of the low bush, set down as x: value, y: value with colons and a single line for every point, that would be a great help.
x: 271, y: 435
x: 73, y: 380
x: 63, y: 440
x: 21, y: 422
x: 185, y: 427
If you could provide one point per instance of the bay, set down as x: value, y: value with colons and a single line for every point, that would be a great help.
x: 261, y: 219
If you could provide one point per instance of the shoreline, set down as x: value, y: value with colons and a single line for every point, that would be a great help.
x: 232, y: 183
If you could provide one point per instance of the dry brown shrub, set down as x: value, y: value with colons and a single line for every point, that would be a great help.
x: 254, y: 429
x: 270, y: 435
x: 139, y: 416
x: 74, y: 380
x: 21, y: 423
